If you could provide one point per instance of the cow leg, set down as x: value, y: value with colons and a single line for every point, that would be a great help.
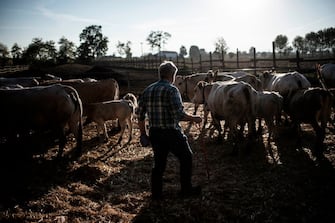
x: 196, y: 106
x: 217, y: 125
x: 320, y: 136
x: 123, y: 125
x: 102, y: 126
x: 130, y: 127
x: 62, y: 141
x: 206, y: 112
x: 76, y: 127
x: 260, y: 127
x: 270, y: 125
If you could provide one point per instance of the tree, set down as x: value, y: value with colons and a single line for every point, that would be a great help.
x: 182, y: 51
x: 3, y: 54
x: 93, y: 43
x: 221, y: 45
x: 124, y: 49
x: 39, y: 51
x: 281, y: 43
x: 299, y: 44
x: 312, y: 42
x: 157, y: 39
x: 194, y: 53
x: 67, y: 51
x: 329, y: 38
x: 16, y: 51
x: 3, y: 51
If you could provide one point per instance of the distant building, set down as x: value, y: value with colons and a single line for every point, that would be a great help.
x: 167, y: 54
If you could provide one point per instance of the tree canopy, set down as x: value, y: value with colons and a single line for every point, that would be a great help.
x: 158, y: 39
x: 93, y: 43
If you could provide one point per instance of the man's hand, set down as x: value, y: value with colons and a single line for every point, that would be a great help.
x: 197, y: 119
x: 144, y: 140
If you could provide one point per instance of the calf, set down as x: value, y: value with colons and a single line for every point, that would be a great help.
x: 268, y: 107
x: 122, y: 110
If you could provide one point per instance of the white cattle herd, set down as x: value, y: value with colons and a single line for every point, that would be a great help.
x: 37, y: 104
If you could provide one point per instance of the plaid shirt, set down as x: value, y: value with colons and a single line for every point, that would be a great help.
x: 162, y: 102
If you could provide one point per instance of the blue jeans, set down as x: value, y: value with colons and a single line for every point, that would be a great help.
x: 164, y: 141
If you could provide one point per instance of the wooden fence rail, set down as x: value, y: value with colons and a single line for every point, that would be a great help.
x: 12, y: 69
x: 238, y: 62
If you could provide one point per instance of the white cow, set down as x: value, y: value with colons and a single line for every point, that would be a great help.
x: 327, y: 74
x: 284, y: 83
x: 230, y: 101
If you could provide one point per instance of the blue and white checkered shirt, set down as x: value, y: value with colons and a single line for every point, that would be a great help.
x: 162, y: 102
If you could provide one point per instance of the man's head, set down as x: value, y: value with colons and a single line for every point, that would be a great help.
x: 167, y: 71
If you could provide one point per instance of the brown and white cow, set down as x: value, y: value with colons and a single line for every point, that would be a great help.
x: 96, y: 91
x: 230, y: 101
x: 39, y: 109
x: 186, y: 84
x: 312, y: 106
x: 22, y: 81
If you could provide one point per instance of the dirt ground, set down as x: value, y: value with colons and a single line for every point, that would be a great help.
x: 280, y: 182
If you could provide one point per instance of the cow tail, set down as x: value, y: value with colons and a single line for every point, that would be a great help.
x: 326, y: 103
x: 78, y: 113
x: 117, y: 91
x: 247, y: 95
x: 252, y: 110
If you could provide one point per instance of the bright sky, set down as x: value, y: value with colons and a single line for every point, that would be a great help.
x: 242, y: 23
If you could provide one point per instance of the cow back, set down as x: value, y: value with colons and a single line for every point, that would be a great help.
x: 92, y: 92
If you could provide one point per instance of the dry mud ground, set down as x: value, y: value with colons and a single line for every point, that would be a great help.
x: 283, y: 182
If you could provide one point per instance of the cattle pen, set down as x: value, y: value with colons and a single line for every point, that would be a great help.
x: 279, y: 182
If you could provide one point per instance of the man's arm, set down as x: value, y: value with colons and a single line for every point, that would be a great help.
x: 191, y: 118
x: 141, y: 125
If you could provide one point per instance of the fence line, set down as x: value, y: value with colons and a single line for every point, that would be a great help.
x: 188, y: 65
x: 12, y: 69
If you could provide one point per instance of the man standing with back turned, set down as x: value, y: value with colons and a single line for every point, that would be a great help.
x: 162, y: 103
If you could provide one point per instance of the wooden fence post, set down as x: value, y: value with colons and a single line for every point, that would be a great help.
x: 200, y: 63
x: 298, y: 60
x: 222, y: 57
x: 210, y: 61
x: 274, y: 54
x: 237, y: 59
x: 254, y: 51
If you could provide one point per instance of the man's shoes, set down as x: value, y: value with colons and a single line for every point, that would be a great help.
x: 192, y: 192
x: 156, y: 197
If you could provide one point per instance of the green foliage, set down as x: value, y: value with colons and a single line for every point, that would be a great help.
x: 221, y: 45
x: 67, y: 51
x: 281, y: 42
x: 157, y: 39
x: 182, y: 51
x: 124, y: 49
x: 40, y: 52
x: 93, y: 43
